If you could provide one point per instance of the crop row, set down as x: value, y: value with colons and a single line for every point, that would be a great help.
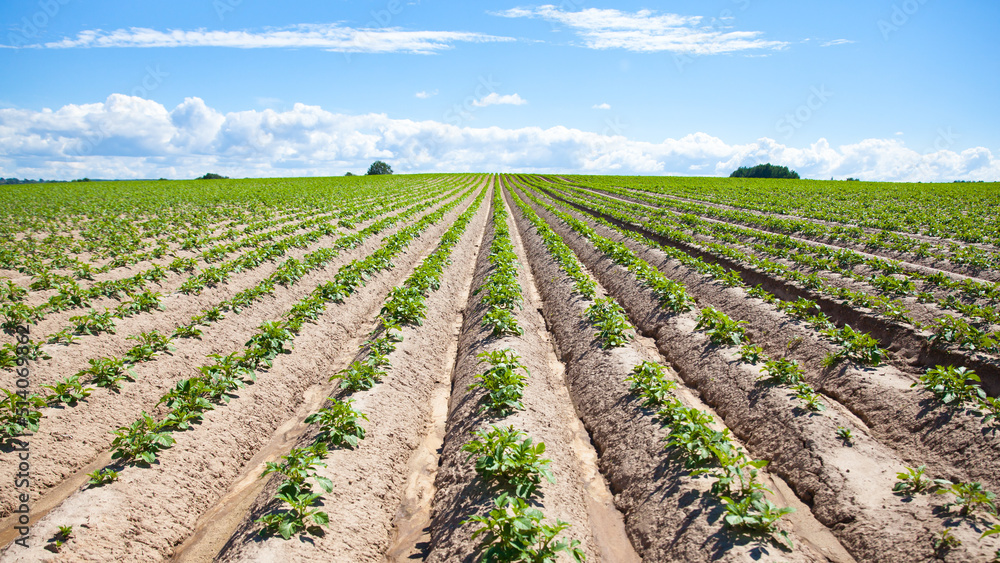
x: 139, y: 442
x: 109, y: 372
x: 947, y: 329
x: 338, y: 423
x: 691, y: 431
x: 942, y: 210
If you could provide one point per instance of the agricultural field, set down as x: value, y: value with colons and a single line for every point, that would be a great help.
x: 500, y: 367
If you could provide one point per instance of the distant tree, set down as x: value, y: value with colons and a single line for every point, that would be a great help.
x: 349, y: 173
x: 765, y: 171
x: 212, y: 176
x: 379, y: 167
x: 853, y: 180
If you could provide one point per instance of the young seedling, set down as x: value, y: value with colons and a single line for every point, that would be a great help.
x: 756, y: 515
x: 913, y: 481
x: 944, y: 541
x: 506, y: 460
x: 298, y: 519
x: 339, y: 424
x: 751, y: 354
x: 102, y: 477
x: 969, y: 497
x: 954, y: 386
x: 68, y: 391
x: 513, y: 531
x: 844, y: 434
x: 721, y: 330
x: 504, y: 381
x: 611, y: 322
x: 811, y: 400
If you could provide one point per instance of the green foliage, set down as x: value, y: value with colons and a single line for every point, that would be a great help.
x: 298, y: 518
x: 857, y: 346
x: 954, y: 386
x: 913, y: 481
x: 107, y: 372
x: 969, y: 497
x: 94, y: 323
x: 18, y: 414
x: 811, y: 400
x: 378, y: 167
x: 613, y: 328
x: 513, y: 531
x: 782, y: 370
x: 68, y: 391
x: 721, y: 330
x: 338, y: 424
x: 141, y: 441
x: 503, y: 381
x: 944, y: 541
x: 844, y: 434
x: 148, y: 345
x: 751, y: 354
x: 102, y: 477
x: 765, y: 171
x: 506, y: 460
x: 756, y: 514
x: 404, y: 306
x: 649, y: 381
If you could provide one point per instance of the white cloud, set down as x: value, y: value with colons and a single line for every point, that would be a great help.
x: 423, y: 94
x: 836, y: 42
x: 601, y: 106
x: 331, y: 37
x: 647, y: 31
x: 494, y: 99
x: 130, y: 137
x: 898, y: 133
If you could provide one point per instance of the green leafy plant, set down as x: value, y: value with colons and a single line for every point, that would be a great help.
x: 94, y: 323
x: 944, y: 541
x: 502, y: 322
x: 648, y: 380
x: 720, y: 329
x: 187, y: 331
x: 955, y: 386
x: 507, y: 460
x: 613, y: 328
x: 140, y: 441
x: 513, y: 531
x: 844, y: 435
x: 811, y: 400
x: 108, y: 372
x: 19, y: 413
x: 338, y: 423
x: 298, y: 518
x: 913, y: 481
x: 503, y: 381
x: 782, y: 370
x: 857, y: 346
x: 969, y: 497
x: 691, y: 433
x: 148, y: 345
x: 102, y: 477
x: 751, y: 354
x: 68, y: 391
x: 757, y: 515
x: 299, y: 465
x: 65, y: 335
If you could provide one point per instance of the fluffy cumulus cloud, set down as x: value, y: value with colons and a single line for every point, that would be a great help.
x: 131, y: 137
x: 647, y: 31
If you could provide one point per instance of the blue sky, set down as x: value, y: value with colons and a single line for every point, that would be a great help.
x: 883, y: 89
